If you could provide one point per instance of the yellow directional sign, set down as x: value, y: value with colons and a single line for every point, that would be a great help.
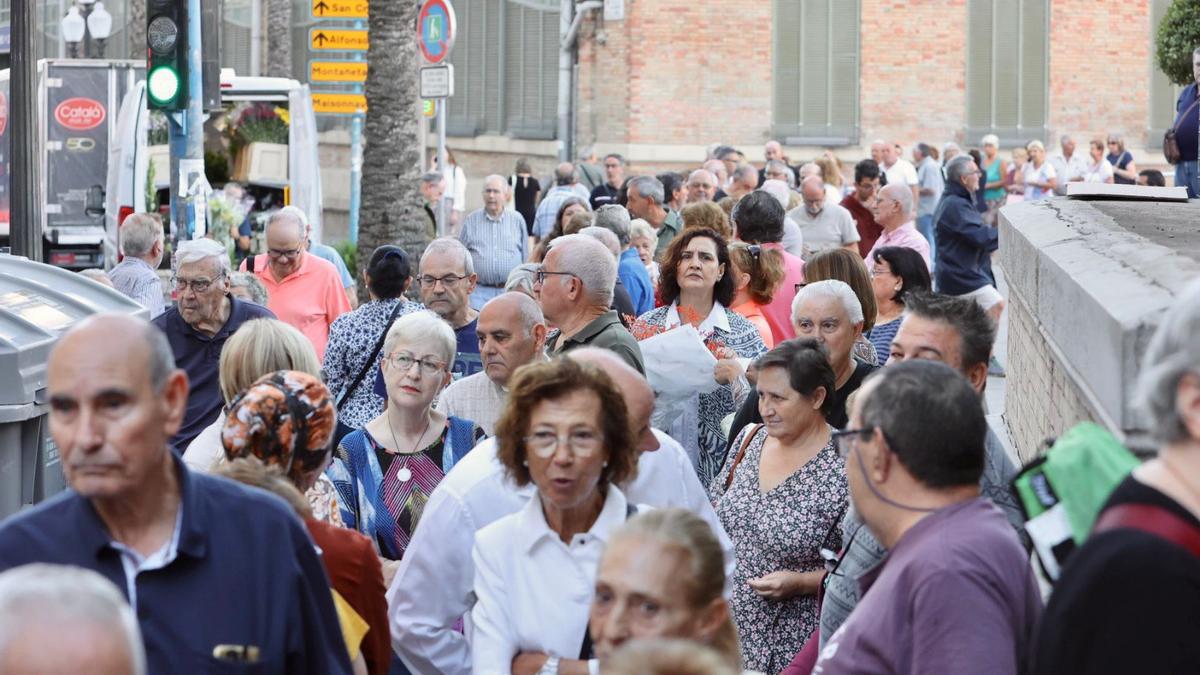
x: 338, y: 104
x: 339, y: 9
x: 337, y: 71
x: 338, y: 40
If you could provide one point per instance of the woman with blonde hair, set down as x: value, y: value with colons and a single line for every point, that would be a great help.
x: 831, y: 173
x: 757, y: 273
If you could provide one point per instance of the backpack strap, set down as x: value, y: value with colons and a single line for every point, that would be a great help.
x: 1152, y: 520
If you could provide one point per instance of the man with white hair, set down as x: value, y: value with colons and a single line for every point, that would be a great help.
x: 621, y: 302
x: 433, y: 186
x: 717, y: 168
x: 893, y: 211
x: 60, y: 619
x: 963, y: 257
x: 701, y: 186
x: 496, y: 237
x: 575, y: 289
x: 589, y: 174
x: 823, y: 225
x: 328, y: 254
x: 1069, y: 166
x: 630, y: 270
x: 899, y: 171
x: 445, y: 278
x: 743, y: 181
x: 564, y: 188
x: 773, y: 154
x: 303, y: 289
x: 646, y: 200
x: 204, y: 316
x: 136, y: 276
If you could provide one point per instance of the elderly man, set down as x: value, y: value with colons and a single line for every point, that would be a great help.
x: 1069, y: 166
x: 630, y: 270
x: 743, y: 181
x: 621, y: 302
x: 930, y: 186
x: 899, y: 171
x: 646, y: 201
x: 823, y: 225
x: 1187, y: 132
x: 512, y: 332
x: 60, y: 619
x: 614, y: 178
x: 136, y: 276
x: 893, y: 211
x: 203, y: 318
x: 860, y: 203
x: 432, y: 589
x: 222, y: 576
x: 575, y: 289
x: 303, y: 289
x: 758, y: 219
x: 589, y: 173
x: 918, y: 494
x: 717, y: 168
x: 446, y: 275
x: 433, y: 186
x: 547, y: 211
x: 965, y: 244
x: 701, y: 186
x: 327, y: 253
x: 496, y: 238
x: 774, y: 160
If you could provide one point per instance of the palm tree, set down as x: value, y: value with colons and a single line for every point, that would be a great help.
x: 279, y: 38
x: 391, y: 198
x: 137, y: 29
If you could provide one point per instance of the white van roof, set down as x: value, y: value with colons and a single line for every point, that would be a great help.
x: 255, y: 88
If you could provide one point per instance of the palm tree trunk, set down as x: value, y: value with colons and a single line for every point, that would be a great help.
x: 137, y: 29
x: 279, y: 38
x: 390, y: 212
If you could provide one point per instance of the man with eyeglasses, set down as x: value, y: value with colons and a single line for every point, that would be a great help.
x: 303, y: 290
x: 203, y: 318
x: 956, y: 592
x: 893, y: 211
x: 446, y: 279
x: 496, y: 237
x: 823, y: 225
x: 963, y: 259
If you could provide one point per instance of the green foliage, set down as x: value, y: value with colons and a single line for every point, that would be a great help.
x: 151, y: 192
x: 349, y: 252
x: 1178, y: 36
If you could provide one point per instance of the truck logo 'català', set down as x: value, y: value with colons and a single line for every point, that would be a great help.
x: 79, y: 114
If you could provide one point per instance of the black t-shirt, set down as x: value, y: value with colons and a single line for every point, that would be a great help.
x: 604, y: 194
x: 748, y: 413
x: 1120, y: 161
x: 1128, y: 601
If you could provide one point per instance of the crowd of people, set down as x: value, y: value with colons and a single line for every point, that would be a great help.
x: 475, y: 470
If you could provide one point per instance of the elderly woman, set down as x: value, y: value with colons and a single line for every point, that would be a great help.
x: 669, y: 560
x: 246, y: 286
x: 286, y: 421
x: 1124, y: 170
x: 354, y: 350
x: 781, y: 497
x: 565, y: 430
x: 696, y: 286
x: 1099, y: 170
x: 757, y: 272
x: 1157, y: 575
x: 846, y: 266
x: 386, y: 471
x: 896, y: 273
x: 1040, y: 179
x: 643, y: 239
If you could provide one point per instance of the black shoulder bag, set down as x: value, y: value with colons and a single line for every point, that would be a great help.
x: 343, y: 429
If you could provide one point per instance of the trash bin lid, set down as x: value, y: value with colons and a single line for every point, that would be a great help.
x: 38, y: 302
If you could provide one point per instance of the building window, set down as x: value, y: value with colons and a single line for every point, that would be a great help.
x: 1007, y: 55
x: 1163, y: 94
x: 816, y: 72
x: 506, y: 80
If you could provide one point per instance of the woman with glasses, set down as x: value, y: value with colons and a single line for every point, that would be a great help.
x: 385, y: 472
x: 896, y: 273
x: 1124, y: 170
x: 564, y: 436
x: 781, y: 497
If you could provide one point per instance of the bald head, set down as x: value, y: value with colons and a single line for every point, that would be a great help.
x: 512, y: 333
x: 495, y: 195
x: 773, y: 151
x: 564, y: 174
x: 514, y: 304
x: 701, y: 186
x: 812, y: 188
x: 639, y: 397
x: 111, y: 332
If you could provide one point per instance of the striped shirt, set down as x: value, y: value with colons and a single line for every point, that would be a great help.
x: 135, y: 278
x: 547, y: 211
x: 496, y: 244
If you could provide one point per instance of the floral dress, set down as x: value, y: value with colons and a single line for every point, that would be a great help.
x: 782, y: 529
x: 734, y: 332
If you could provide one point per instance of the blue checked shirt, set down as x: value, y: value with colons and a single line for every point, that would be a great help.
x: 496, y: 244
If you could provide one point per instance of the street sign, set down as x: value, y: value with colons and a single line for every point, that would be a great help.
x: 436, y: 29
x: 338, y: 40
x: 340, y: 9
x: 428, y: 108
x: 330, y: 103
x: 337, y: 71
x: 437, y: 81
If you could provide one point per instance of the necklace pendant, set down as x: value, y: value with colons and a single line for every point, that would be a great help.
x: 404, y: 475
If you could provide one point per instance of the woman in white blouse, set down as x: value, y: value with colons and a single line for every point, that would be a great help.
x: 1100, y: 170
x: 565, y: 430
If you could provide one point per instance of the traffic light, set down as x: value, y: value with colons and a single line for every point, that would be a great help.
x: 167, y: 59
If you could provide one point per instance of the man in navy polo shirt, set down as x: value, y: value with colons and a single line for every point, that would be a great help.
x: 221, y: 576
x: 204, y: 317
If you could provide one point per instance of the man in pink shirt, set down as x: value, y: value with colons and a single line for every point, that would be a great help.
x: 303, y: 290
x: 893, y: 212
x: 758, y: 219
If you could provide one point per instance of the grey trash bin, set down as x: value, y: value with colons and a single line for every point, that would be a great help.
x: 37, y: 304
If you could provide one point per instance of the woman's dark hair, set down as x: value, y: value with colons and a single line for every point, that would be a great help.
x: 807, y: 364
x: 623, y: 193
x: 668, y: 278
x: 551, y: 380
x: 909, y: 266
x: 522, y: 166
x: 846, y: 266
x: 389, y: 272
x: 758, y: 218
x: 671, y: 182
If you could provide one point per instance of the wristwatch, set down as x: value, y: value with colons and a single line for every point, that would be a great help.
x: 550, y: 667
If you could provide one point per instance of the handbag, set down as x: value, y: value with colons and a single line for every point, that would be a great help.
x: 1170, y: 142
x: 737, y: 459
x: 344, y: 429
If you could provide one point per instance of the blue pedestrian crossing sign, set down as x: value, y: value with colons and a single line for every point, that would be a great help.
x: 436, y: 28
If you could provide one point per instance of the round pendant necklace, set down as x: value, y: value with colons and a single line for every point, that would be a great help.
x: 404, y: 474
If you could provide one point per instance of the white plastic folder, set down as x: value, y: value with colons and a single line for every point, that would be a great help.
x: 678, y: 366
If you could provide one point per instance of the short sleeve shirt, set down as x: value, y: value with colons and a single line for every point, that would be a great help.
x: 309, y: 299
x: 833, y: 227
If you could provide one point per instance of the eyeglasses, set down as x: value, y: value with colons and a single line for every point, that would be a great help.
x: 197, y: 285
x: 845, y: 439
x: 448, y: 281
x: 277, y: 253
x: 582, y: 442
x: 403, y: 362
x: 540, y: 275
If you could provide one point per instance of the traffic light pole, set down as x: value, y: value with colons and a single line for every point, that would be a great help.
x: 25, y: 228
x: 186, y: 136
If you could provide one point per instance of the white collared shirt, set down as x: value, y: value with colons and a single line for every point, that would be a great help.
x: 133, y: 564
x: 717, y: 318
x: 433, y: 587
x: 532, y: 590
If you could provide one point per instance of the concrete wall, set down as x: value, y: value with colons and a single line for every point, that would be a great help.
x: 1088, y: 282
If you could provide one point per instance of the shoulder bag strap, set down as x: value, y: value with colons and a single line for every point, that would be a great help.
x: 371, y: 359
x: 737, y: 459
x: 1175, y: 127
x: 1152, y: 520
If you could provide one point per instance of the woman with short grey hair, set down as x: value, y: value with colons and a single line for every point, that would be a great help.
x: 1139, y: 550
x: 246, y: 286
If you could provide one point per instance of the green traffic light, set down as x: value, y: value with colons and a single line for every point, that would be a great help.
x: 163, y: 84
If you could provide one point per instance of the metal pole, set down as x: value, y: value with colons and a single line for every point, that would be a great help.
x: 356, y: 158
x: 565, y: 60
x: 443, y: 224
x: 25, y: 227
x: 186, y: 131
